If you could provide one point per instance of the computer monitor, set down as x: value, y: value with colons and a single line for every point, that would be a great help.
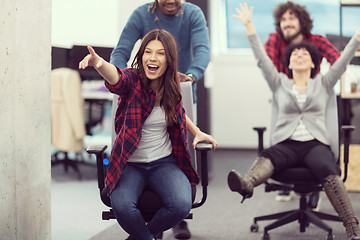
x: 78, y: 52
x: 340, y: 42
x: 59, y: 57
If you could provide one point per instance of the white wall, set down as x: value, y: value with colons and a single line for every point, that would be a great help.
x: 240, y: 97
x: 94, y: 22
x: 240, y: 100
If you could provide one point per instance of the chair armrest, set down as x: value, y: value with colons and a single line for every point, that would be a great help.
x: 346, y: 130
x: 260, y: 131
x: 203, y: 147
x: 96, y: 149
x: 99, y: 150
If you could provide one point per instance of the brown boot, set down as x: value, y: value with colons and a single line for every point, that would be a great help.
x: 259, y: 172
x: 337, y: 194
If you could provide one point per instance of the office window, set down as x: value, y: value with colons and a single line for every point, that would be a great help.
x: 325, y: 15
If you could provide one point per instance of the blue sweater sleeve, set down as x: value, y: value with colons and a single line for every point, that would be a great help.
x: 200, y: 43
x: 131, y: 33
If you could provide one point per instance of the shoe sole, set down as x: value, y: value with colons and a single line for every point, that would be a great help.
x: 280, y: 198
x: 234, y: 182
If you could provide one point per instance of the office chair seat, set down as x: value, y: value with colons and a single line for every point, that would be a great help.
x: 149, y: 203
x: 301, y: 179
x: 295, y: 175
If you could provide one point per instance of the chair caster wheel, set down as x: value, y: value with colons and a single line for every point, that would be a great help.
x: 254, y: 227
x: 330, y: 237
x: 266, y: 236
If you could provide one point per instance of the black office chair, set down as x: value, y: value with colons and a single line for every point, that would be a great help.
x: 149, y: 203
x: 303, y: 183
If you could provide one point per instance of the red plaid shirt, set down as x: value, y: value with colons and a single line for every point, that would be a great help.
x: 130, y: 116
x: 275, y: 47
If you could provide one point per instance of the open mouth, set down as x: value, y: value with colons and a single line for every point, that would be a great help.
x: 288, y: 29
x: 152, y: 68
x: 170, y: 7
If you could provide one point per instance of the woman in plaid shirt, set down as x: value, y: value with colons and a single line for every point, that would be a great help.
x: 150, y: 149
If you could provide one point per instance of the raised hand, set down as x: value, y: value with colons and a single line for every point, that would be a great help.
x: 244, y: 13
x: 92, y: 59
x: 107, y: 70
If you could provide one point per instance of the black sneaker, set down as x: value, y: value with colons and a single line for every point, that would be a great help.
x: 283, y: 196
x: 314, y: 201
x: 181, y: 231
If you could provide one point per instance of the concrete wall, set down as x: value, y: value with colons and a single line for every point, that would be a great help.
x: 25, y: 45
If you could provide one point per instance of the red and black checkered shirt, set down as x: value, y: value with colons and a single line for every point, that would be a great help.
x: 275, y: 47
x: 130, y: 116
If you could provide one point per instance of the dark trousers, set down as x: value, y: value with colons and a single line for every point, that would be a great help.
x: 314, y: 155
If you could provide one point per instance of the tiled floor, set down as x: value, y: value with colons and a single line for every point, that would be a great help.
x: 76, y: 207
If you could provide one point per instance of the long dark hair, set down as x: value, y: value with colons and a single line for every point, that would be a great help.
x: 314, y: 53
x: 306, y: 23
x: 169, y: 81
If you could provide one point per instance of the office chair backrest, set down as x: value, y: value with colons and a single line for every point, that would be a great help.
x: 332, y: 123
x: 187, y: 100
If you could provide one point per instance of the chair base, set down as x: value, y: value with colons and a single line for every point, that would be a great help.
x: 303, y: 215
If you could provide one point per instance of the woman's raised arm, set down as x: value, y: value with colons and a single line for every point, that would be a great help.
x: 245, y: 16
x: 107, y: 70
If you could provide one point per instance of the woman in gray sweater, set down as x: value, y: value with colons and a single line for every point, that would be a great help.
x: 299, y: 133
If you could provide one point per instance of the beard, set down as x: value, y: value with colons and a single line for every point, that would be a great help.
x: 292, y: 37
x: 176, y: 5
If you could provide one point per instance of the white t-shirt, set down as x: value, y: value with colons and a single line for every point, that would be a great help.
x: 155, y: 142
x: 301, y: 133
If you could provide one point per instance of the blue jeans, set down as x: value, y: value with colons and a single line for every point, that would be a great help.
x: 165, y: 178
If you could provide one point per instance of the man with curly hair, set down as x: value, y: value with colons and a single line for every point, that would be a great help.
x: 293, y: 25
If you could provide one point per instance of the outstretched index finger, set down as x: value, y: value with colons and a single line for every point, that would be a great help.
x: 91, y: 51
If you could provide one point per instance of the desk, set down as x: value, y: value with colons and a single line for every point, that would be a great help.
x: 95, y: 90
x: 350, y: 84
x: 353, y: 182
x: 95, y: 96
x: 349, y: 93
